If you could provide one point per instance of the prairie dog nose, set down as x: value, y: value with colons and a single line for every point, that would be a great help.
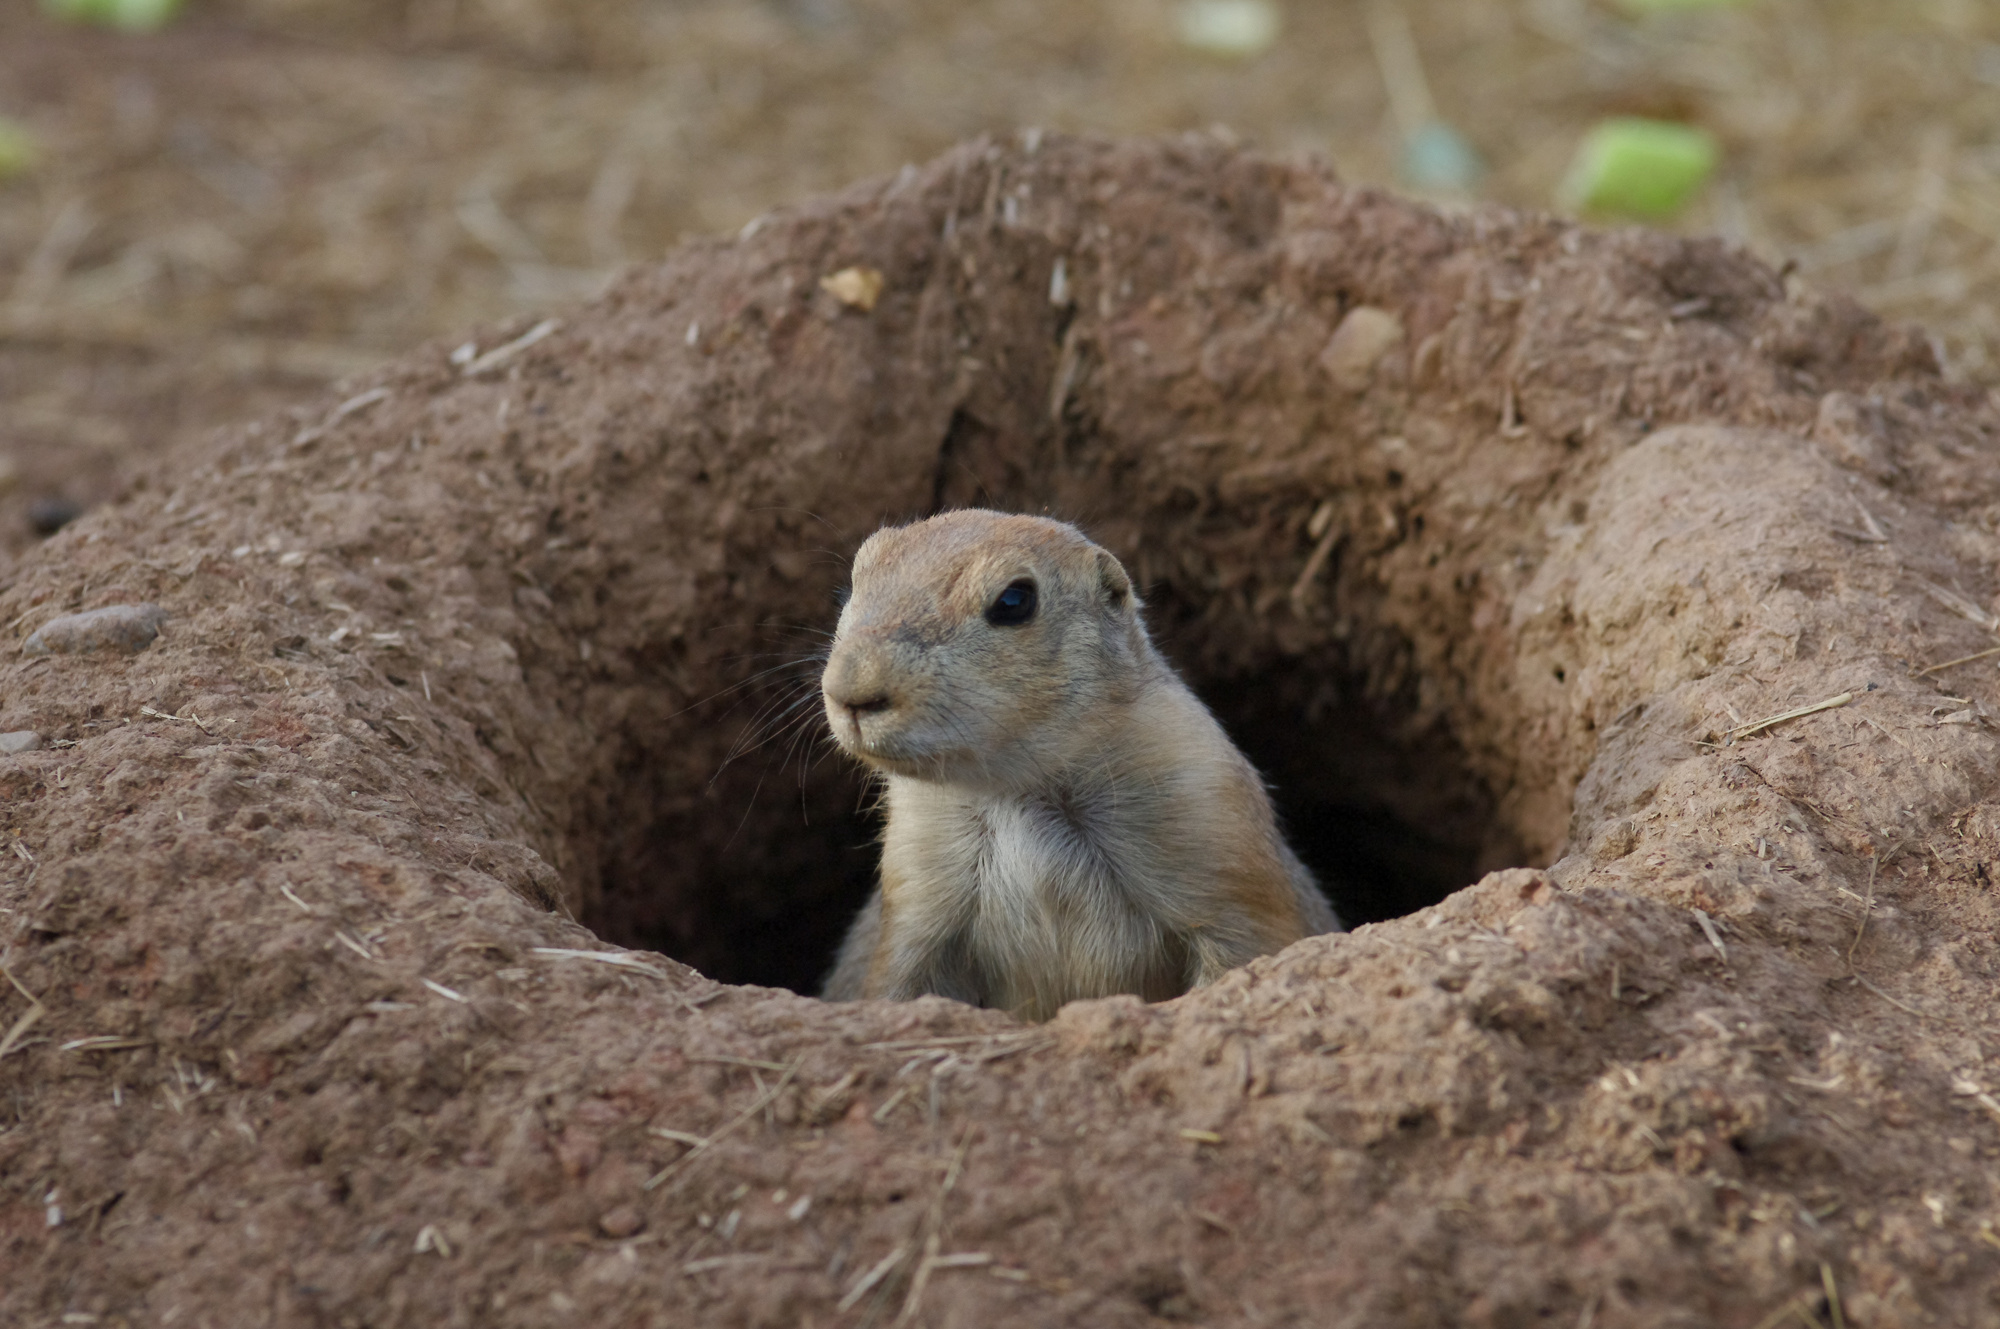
x: 862, y: 705
x: 857, y: 682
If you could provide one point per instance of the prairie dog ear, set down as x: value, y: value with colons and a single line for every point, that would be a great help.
x: 1111, y: 576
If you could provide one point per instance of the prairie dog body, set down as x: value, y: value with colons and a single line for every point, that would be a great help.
x: 1065, y: 818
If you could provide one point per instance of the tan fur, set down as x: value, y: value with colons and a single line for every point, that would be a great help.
x: 1066, y: 819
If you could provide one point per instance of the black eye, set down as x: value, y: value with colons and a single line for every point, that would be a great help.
x: 1013, y: 606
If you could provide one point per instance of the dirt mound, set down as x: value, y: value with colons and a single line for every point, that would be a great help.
x: 300, y: 1030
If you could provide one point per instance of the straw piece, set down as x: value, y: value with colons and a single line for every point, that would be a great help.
x: 920, y: 1280
x: 1961, y: 605
x: 1796, y: 1306
x: 104, y: 1043
x: 1966, y: 1087
x: 1714, y: 937
x: 429, y: 1240
x: 1867, y: 908
x: 1832, y: 1296
x: 618, y: 958
x: 767, y: 1097
x: 1798, y: 712
x: 879, y: 1271
x: 1328, y: 537
x: 12, y: 1041
x: 500, y: 355
x: 1401, y: 67
x: 741, y: 1061
x: 1963, y: 659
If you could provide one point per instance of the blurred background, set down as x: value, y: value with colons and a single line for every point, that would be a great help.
x: 210, y: 209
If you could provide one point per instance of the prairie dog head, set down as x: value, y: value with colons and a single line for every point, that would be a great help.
x: 981, y: 648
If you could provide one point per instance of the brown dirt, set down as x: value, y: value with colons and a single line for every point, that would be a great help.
x: 468, y: 647
x: 270, y: 194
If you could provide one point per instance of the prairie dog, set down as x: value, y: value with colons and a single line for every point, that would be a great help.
x: 1065, y: 818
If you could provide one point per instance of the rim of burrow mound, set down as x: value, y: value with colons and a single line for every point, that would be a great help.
x: 1336, y: 436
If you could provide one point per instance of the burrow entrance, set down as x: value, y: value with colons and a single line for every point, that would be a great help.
x: 1156, y: 357
x: 1224, y: 368
x: 754, y: 877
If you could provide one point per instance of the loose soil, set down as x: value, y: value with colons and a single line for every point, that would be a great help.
x: 331, y: 916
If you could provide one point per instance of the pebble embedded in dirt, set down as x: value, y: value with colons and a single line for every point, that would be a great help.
x: 48, y: 515
x: 127, y: 628
x: 1364, y: 336
x: 19, y: 741
x: 621, y: 1222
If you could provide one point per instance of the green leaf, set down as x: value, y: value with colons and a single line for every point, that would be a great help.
x: 1638, y: 168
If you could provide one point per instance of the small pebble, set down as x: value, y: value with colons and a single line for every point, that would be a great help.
x: 49, y: 515
x: 857, y: 288
x: 20, y: 740
x: 622, y: 1221
x: 126, y: 628
x: 1364, y: 336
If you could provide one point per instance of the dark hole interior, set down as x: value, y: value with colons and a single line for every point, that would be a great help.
x: 1388, y: 820
x: 755, y: 878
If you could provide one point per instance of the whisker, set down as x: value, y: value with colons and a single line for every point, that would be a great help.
x: 788, y: 726
x: 748, y: 805
x: 788, y: 662
x: 803, y: 629
x: 800, y: 743
x: 766, y: 726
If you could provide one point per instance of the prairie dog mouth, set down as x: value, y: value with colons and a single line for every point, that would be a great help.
x: 890, y: 740
x: 868, y: 731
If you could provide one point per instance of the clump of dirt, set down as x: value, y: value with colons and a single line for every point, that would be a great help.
x: 311, y: 1016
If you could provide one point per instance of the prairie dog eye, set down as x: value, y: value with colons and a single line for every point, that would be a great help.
x: 1013, y: 606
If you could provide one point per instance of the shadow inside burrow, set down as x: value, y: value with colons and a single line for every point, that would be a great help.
x: 754, y: 877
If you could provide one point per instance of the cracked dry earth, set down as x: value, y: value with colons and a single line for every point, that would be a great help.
x: 338, y: 918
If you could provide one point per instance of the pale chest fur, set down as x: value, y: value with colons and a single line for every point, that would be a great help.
x: 1030, y: 902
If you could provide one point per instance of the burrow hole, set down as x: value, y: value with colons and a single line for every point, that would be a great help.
x: 753, y: 874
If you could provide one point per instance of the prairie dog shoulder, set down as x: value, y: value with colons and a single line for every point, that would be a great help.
x: 1065, y: 818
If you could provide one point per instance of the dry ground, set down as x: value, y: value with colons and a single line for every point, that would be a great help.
x: 289, y: 1034
x: 302, y: 1036
x: 275, y: 193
